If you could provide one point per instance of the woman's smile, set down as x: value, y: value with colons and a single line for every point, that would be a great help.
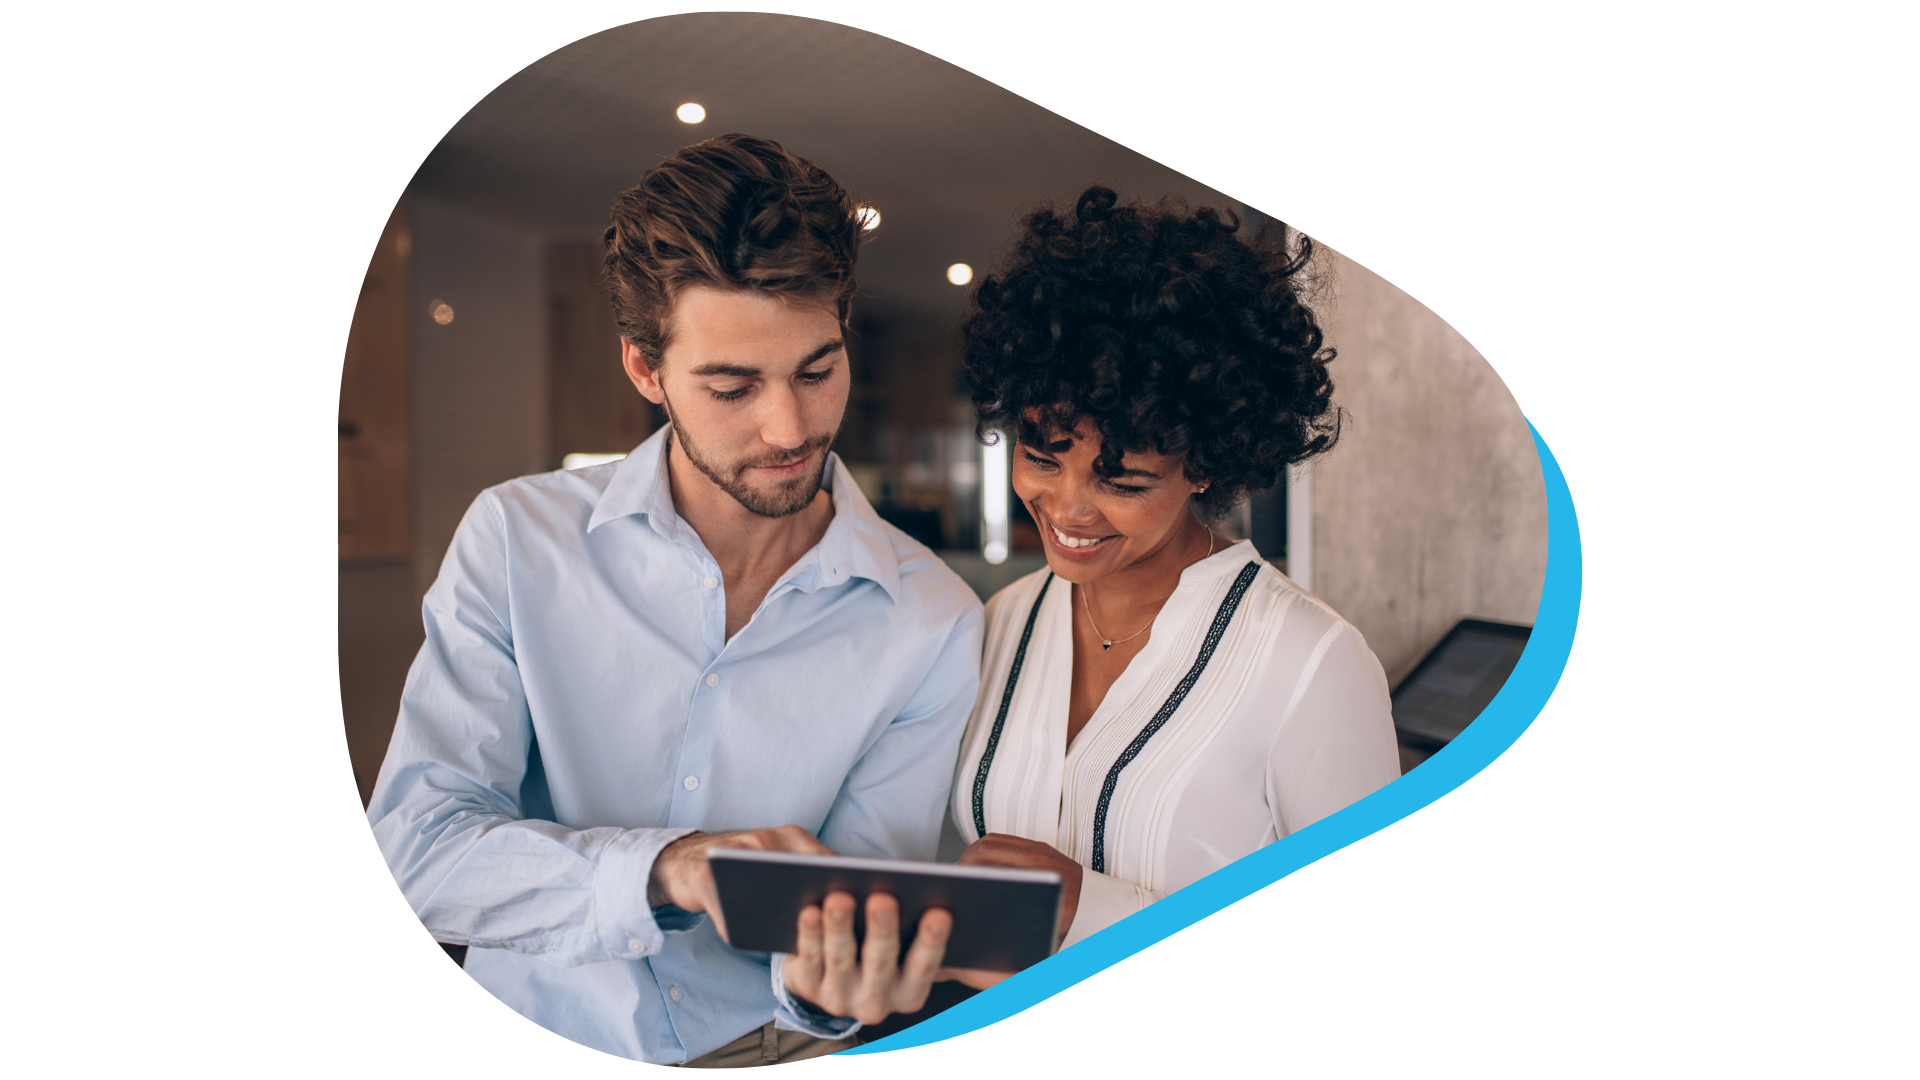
x: 1077, y: 544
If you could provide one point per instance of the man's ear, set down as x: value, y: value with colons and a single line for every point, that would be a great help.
x: 645, y: 379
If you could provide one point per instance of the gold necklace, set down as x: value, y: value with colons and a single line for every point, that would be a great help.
x: 1105, y: 642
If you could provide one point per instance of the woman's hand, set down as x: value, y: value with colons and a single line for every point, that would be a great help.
x: 865, y: 980
x: 1005, y: 849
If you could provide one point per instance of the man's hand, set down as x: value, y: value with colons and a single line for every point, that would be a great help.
x: 840, y: 977
x: 1005, y: 849
x: 681, y: 876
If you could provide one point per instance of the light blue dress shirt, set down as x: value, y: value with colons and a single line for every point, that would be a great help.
x: 579, y: 624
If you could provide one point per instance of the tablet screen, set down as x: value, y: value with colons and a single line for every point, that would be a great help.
x: 1455, y: 682
x: 1003, y: 919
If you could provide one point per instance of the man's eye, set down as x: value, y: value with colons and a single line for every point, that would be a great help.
x: 816, y: 376
x: 730, y: 395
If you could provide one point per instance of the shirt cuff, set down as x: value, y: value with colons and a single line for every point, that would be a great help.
x: 622, y: 918
x: 1104, y: 900
x: 790, y: 1014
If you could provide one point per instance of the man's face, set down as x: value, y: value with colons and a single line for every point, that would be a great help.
x: 756, y: 387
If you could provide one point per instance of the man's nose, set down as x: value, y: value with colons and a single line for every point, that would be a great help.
x: 782, y: 423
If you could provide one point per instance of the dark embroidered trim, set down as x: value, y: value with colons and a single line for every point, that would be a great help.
x: 1000, y: 721
x: 1214, y: 633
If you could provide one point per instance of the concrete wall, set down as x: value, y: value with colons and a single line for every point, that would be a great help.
x: 478, y: 414
x: 1431, y: 507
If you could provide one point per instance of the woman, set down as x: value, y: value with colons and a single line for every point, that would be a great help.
x: 1158, y: 701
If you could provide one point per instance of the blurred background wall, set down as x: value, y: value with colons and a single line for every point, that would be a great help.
x: 482, y: 349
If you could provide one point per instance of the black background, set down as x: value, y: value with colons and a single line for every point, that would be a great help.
x: 1467, y: 181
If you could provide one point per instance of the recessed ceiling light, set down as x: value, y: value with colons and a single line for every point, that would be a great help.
x: 441, y: 312
x: 869, y: 217
x: 959, y: 273
x: 690, y: 113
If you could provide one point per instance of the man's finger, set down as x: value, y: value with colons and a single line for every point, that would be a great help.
x: 809, y: 950
x: 840, y: 968
x: 929, y: 948
x: 706, y: 892
x: 801, y: 970
x: 879, y: 954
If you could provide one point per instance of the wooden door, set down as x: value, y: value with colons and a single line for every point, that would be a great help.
x: 593, y: 406
x: 374, y: 497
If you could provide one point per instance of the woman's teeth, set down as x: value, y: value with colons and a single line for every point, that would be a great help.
x: 1072, y: 542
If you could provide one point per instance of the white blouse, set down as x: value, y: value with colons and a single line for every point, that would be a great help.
x: 1288, y: 721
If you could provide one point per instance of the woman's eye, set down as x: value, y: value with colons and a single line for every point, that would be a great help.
x: 1038, y: 462
x: 1123, y: 489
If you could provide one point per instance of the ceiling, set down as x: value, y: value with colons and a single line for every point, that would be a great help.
x: 947, y: 157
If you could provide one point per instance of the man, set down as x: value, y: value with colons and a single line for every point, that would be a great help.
x: 713, y: 641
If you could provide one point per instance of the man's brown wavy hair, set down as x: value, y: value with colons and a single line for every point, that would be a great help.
x: 736, y: 213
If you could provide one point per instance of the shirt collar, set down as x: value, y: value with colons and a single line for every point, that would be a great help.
x: 857, y: 542
x: 639, y: 486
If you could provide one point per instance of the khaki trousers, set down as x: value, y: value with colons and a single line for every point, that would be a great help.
x: 769, y: 1046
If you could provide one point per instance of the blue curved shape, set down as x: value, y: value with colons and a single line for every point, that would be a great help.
x: 1511, y: 711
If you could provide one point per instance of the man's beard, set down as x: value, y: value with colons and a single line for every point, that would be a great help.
x: 787, y: 497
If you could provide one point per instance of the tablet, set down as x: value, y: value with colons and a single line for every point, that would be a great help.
x: 1455, y: 682
x: 1003, y: 918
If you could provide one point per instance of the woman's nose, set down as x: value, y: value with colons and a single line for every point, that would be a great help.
x: 1069, y: 506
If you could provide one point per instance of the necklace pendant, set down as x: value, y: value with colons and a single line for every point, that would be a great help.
x: 1105, y: 645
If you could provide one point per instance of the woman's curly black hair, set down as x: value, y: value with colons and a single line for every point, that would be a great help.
x: 1166, y: 328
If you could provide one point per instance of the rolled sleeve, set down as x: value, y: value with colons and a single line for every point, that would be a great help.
x: 791, y: 1014
x: 628, y: 927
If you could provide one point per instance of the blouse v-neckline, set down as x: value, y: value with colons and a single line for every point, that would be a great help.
x: 1126, y: 688
x: 1042, y: 797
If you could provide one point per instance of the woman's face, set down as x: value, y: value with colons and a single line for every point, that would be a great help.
x: 1093, y: 525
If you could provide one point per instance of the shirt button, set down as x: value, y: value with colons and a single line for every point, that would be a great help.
x: 637, y: 945
x: 710, y: 581
x: 673, y: 992
x: 691, y: 783
x: 713, y: 679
